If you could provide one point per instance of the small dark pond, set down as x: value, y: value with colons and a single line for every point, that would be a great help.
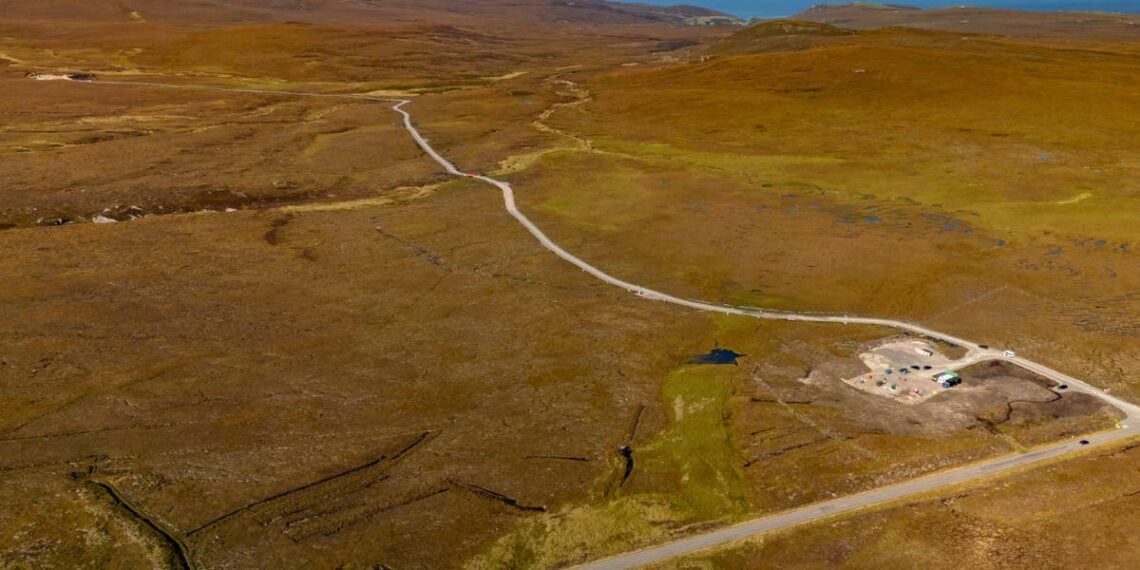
x: 716, y: 356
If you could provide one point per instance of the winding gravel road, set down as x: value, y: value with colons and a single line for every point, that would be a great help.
x: 979, y: 353
x: 815, y: 511
x: 1129, y: 428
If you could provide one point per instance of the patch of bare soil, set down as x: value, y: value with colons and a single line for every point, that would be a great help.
x: 801, y: 417
x: 1032, y: 409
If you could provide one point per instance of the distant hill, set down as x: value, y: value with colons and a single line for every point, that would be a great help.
x: 593, y: 12
x: 1076, y: 25
x: 603, y: 12
x: 400, y: 42
x: 778, y: 35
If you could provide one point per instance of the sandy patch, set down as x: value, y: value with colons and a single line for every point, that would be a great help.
x: 1078, y: 198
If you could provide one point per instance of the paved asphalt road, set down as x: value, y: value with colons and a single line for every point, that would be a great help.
x: 1129, y: 427
x: 817, y: 511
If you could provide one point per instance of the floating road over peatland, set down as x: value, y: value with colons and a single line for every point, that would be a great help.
x: 1130, y: 427
x: 816, y: 511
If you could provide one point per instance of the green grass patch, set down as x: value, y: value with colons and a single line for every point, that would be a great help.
x: 691, y: 473
x: 609, y: 191
x: 697, y: 448
x: 573, y: 534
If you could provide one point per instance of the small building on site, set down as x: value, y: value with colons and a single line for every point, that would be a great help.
x: 925, y: 352
x: 948, y: 379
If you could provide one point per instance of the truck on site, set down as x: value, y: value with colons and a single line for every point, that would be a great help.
x: 36, y: 75
x: 947, y: 379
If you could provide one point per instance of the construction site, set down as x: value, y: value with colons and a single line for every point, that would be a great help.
x: 910, y: 370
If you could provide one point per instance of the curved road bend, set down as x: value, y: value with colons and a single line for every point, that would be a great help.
x: 1129, y: 427
x: 979, y: 353
x: 816, y: 511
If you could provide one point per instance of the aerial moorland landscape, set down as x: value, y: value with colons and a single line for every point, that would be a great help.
x: 549, y: 284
